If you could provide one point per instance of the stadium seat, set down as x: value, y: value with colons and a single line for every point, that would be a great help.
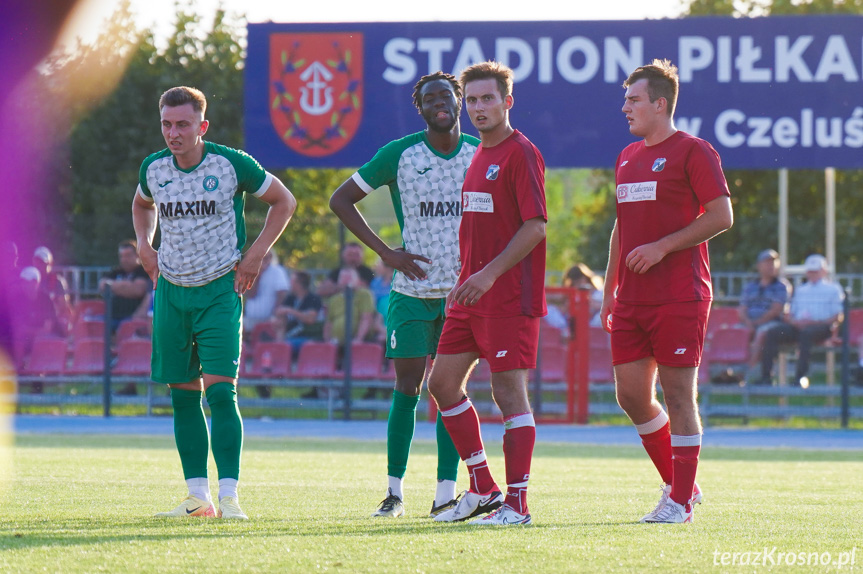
x: 270, y: 360
x: 599, y: 366
x: 722, y: 317
x: 367, y: 361
x: 550, y: 335
x: 482, y: 372
x: 134, y: 328
x: 728, y: 345
x: 855, y: 326
x: 47, y: 357
x: 317, y: 360
x: 88, y: 308
x: 88, y: 356
x: 598, y: 338
x: 88, y: 328
x: 553, y: 363
x: 133, y: 357
x: 262, y: 332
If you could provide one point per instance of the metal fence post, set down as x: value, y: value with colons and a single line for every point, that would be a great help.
x: 346, y: 355
x: 106, y: 367
x: 846, y: 344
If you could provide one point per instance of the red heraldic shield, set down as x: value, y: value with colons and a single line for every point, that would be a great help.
x: 316, y: 90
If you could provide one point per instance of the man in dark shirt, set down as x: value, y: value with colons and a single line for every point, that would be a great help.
x: 130, y: 285
x: 300, y: 314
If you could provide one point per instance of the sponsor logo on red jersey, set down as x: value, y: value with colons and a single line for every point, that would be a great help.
x: 316, y: 90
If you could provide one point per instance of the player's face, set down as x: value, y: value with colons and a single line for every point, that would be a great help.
x: 182, y: 128
x: 486, y: 106
x: 440, y: 107
x: 642, y: 115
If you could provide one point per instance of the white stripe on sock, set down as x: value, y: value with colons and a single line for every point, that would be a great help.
x: 518, y: 485
x: 653, y: 425
x: 476, y: 458
x: 686, y: 440
x: 458, y: 409
x: 518, y: 421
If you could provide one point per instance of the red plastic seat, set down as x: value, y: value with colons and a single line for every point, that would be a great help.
x: 270, y: 360
x: 317, y: 360
x: 264, y: 331
x: 134, y: 328
x: 549, y: 335
x: 88, y: 357
x: 367, y: 361
x: 133, y: 357
x: 482, y: 372
x: 88, y: 328
x: 553, y: 363
x: 728, y: 345
x: 598, y: 338
x: 88, y: 308
x: 47, y: 357
x: 855, y: 326
x: 599, y: 367
x: 721, y: 317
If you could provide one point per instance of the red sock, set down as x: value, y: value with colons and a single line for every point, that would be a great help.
x: 685, y: 450
x: 656, y: 438
x: 518, y: 441
x: 462, y: 424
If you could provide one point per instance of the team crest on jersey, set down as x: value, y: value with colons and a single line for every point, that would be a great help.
x: 316, y: 90
x: 211, y: 182
x: 493, y: 172
x: 659, y: 164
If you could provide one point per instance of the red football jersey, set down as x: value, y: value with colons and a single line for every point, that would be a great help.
x: 661, y: 189
x: 504, y: 187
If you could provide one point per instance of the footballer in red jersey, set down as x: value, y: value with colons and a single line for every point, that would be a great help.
x: 671, y: 198
x: 498, y: 300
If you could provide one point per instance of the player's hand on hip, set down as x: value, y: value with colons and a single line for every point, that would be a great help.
x: 469, y: 292
x: 246, y: 272
x: 405, y: 262
x: 642, y: 258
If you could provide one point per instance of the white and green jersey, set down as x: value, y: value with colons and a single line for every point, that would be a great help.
x: 200, y: 210
x: 425, y: 187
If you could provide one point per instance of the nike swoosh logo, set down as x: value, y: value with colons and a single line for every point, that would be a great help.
x: 423, y: 171
x: 166, y: 183
x: 193, y: 510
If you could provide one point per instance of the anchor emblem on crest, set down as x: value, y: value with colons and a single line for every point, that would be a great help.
x: 316, y: 78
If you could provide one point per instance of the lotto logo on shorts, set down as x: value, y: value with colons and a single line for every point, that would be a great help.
x: 477, y: 201
x: 643, y: 191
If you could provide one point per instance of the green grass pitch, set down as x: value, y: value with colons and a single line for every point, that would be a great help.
x: 84, y: 504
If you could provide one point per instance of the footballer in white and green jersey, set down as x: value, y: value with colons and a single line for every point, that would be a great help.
x: 200, y: 210
x: 425, y: 187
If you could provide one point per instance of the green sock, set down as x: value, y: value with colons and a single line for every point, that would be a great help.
x: 447, y: 455
x: 190, y: 432
x: 400, y: 432
x: 227, y: 429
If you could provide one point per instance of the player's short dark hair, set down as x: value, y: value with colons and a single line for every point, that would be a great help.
x: 456, y: 88
x: 128, y: 244
x: 501, y: 73
x: 182, y: 95
x: 662, y: 81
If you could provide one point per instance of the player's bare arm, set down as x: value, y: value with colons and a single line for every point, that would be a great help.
x: 717, y: 217
x: 282, y: 206
x: 529, y: 235
x: 144, y: 222
x: 344, y: 204
x: 610, y: 285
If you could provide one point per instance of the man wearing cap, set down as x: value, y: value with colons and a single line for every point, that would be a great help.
x: 53, y: 285
x: 816, y: 309
x: 763, y: 303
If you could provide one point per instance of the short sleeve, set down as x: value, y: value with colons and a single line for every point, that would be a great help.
x: 381, y: 169
x: 704, y: 169
x: 530, y: 184
x: 251, y: 176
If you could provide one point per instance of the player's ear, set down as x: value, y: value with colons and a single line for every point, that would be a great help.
x: 508, y: 102
x: 205, y: 125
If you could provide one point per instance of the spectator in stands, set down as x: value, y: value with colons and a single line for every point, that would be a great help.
x: 363, y: 309
x: 579, y: 276
x: 816, y: 310
x: 269, y: 290
x: 764, y: 302
x: 300, y: 316
x: 33, y: 312
x: 352, y: 258
x: 9, y: 273
x: 131, y: 288
x: 55, y: 286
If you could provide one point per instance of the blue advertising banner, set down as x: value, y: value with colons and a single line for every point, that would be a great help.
x: 766, y: 92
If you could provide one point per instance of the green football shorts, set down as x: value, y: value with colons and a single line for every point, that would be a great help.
x: 196, y: 330
x: 413, y: 326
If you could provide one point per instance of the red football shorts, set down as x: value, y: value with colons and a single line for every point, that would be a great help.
x: 507, y: 343
x: 672, y: 333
